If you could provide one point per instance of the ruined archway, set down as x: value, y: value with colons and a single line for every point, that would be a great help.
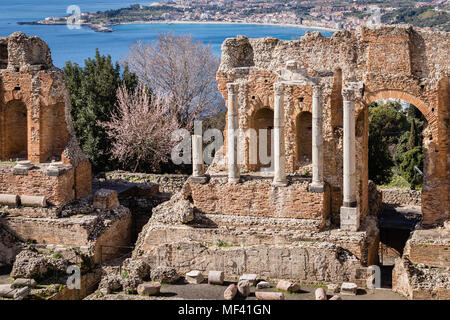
x: 362, y: 140
x: 304, y: 138
x: 14, y: 139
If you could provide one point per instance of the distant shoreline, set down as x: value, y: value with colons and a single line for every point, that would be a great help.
x: 300, y: 26
x: 107, y: 27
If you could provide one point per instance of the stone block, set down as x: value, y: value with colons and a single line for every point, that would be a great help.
x: 230, y: 292
x: 336, y: 297
x: 263, y: 285
x: 260, y: 295
x: 22, y: 168
x: 215, y: 277
x: 105, y: 199
x: 333, y: 288
x: 349, y: 289
x: 56, y: 169
x: 149, y: 289
x: 285, y: 285
x: 320, y: 294
x: 10, y: 200
x: 250, y: 277
x: 33, y: 201
x: 194, y: 277
x: 244, y: 288
x: 350, y: 219
x: 21, y: 282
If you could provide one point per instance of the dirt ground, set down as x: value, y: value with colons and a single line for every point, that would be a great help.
x: 205, y: 291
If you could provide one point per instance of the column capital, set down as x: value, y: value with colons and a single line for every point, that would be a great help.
x: 233, y: 88
x: 317, y: 90
x: 278, y: 88
x: 353, y: 91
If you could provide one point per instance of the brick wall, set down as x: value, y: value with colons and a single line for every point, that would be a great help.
x: 256, y: 196
x: 57, y: 190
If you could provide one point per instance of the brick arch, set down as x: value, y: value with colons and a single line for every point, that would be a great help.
x: 259, y: 103
x: 14, y: 120
x: 370, y: 97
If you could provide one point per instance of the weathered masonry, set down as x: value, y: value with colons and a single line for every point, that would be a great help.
x: 38, y: 148
x: 310, y: 98
x: 314, y: 93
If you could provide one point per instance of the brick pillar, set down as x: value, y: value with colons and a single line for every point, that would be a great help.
x: 232, y: 134
x: 279, y: 178
x: 317, y: 141
x: 350, y: 214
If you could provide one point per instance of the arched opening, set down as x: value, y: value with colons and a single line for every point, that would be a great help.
x: 15, y: 131
x: 396, y: 151
x: 3, y: 54
x: 304, y: 141
x: 263, y: 124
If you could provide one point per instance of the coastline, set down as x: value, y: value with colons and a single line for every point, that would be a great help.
x: 301, y: 26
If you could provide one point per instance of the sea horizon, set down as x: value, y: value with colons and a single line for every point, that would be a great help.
x: 76, y: 45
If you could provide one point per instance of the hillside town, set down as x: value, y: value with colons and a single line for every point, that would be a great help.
x: 330, y: 14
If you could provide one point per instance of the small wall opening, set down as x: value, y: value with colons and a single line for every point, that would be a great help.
x: 15, y: 131
x: 263, y: 119
x: 304, y: 138
x: 3, y: 54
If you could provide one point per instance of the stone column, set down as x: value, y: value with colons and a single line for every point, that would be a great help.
x: 232, y: 134
x: 350, y: 215
x: 279, y: 178
x: 198, y: 174
x: 317, y: 141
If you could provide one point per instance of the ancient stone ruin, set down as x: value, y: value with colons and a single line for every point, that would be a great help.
x: 311, y: 95
x: 38, y: 148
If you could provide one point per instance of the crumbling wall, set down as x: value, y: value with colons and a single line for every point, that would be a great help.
x: 392, y: 62
x: 35, y: 120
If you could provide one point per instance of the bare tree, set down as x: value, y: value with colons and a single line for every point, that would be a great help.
x: 141, y: 128
x: 183, y: 68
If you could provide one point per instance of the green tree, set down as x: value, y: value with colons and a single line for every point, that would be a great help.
x: 380, y: 163
x: 93, y: 95
x: 413, y: 138
x: 412, y: 158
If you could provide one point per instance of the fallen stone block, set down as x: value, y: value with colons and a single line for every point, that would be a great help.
x: 230, y: 292
x: 33, y: 201
x: 6, y: 291
x: 320, y: 294
x: 285, y: 285
x: 21, y: 293
x: 336, y: 297
x: 349, y: 289
x: 149, y: 289
x: 250, y: 277
x: 215, y: 277
x: 333, y: 288
x: 260, y: 295
x: 165, y: 275
x: 263, y: 285
x: 10, y: 200
x: 194, y: 277
x: 105, y: 199
x: 21, y: 282
x: 244, y: 288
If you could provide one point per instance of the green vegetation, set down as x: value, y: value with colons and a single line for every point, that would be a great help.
x: 425, y: 16
x: 222, y: 244
x: 395, y: 145
x: 93, y: 95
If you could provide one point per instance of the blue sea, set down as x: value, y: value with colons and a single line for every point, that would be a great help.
x: 78, y: 44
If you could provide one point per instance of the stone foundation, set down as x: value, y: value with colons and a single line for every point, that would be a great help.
x: 256, y: 196
x: 101, y: 231
x: 420, y: 282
